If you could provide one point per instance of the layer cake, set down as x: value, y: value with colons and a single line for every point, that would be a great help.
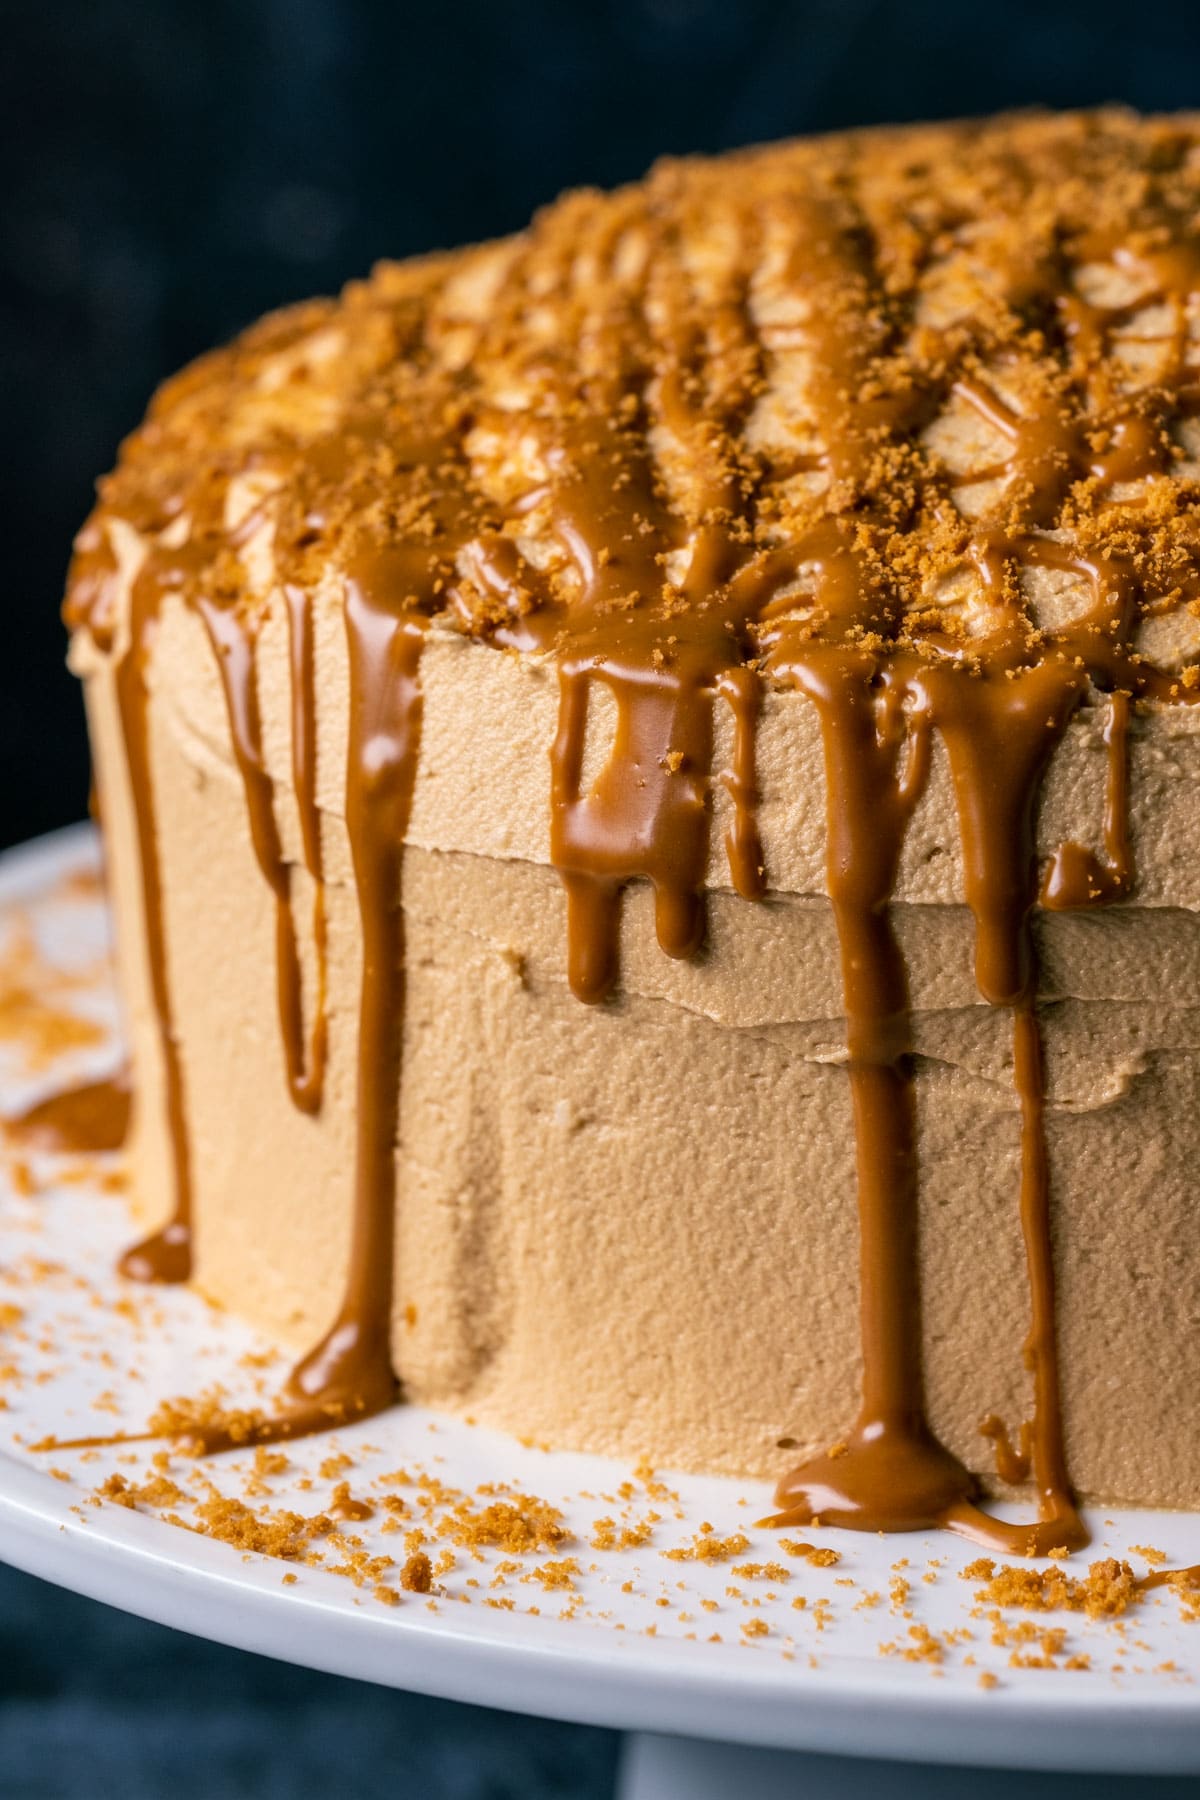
x: 651, y: 791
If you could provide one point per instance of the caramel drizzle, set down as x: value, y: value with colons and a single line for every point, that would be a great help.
x: 998, y: 755
x: 890, y: 1473
x: 642, y: 356
x: 166, y: 1255
x: 645, y: 814
x: 665, y: 651
x: 235, y: 647
x: 304, y: 781
x: 350, y: 1370
x: 648, y: 812
x: 391, y: 588
x: 742, y: 690
x: 1076, y: 877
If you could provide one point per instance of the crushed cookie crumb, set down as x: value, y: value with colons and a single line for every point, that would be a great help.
x: 416, y: 1577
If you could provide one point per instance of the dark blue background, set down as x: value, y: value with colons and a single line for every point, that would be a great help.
x: 94, y: 1705
x: 171, y: 168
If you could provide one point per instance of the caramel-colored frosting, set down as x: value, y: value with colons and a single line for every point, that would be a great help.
x: 903, y: 420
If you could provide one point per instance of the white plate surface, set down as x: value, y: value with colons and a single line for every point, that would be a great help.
x: 627, y: 1643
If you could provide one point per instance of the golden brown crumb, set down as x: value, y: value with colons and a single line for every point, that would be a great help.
x: 158, y: 1490
x: 707, y: 1547
x: 553, y: 1575
x: 518, y: 1523
x: 204, y: 1420
x: 922, y: 1646
x: 284, y: 1534
x: 1109, y: 1588
x: 608, y: 1535
x: 762, y: 1571
x: 416, y: 1577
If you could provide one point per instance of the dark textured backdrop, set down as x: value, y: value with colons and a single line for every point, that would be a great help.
x: 170, y: 168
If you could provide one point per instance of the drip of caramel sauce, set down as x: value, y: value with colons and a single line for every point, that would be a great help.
x: 686, y: 448
x: 1013, y: 1461
x: 352, y: 1364
x: 890, y: 1472
x: 1076, y: 877
x: 233, y: 643
x: 166, y: 1255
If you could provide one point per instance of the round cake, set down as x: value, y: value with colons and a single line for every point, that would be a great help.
x: 650, y: 788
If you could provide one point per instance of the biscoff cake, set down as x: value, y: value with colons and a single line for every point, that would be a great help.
x: 651, y: 794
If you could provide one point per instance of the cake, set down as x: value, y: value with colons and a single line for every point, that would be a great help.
x: 650, y: 791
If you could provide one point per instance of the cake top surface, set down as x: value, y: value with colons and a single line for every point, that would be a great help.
x: 932, y: 386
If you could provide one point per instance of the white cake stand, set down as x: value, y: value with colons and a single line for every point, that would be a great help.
x: 780, y: 1705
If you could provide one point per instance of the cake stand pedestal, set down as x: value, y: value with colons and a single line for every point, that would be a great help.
x: 664, y: 1768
